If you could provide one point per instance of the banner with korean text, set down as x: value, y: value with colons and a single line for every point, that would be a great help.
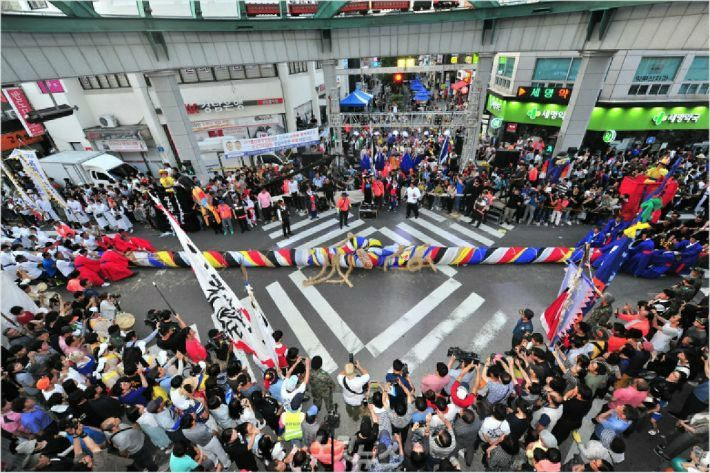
x: 255, y: 146
x: 31, y: 167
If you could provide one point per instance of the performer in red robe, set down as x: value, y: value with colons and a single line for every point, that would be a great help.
x: 114, y: 266
x: 88, y: 269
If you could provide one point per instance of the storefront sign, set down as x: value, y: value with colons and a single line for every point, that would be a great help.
x: 229, y: 105
x: 662, y: 117
x: 127, y: 146
x: 603, y: 118
x: 16, y: 139
x: 18, y: 100
x: 54, y: 86
x: 254, y: 146
x: 511, y: 127
x: 609, y: 136
x: 496, y: 123
x: 545, y: 94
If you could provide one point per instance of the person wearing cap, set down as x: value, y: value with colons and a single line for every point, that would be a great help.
x: 544, y: 442
x: 343, y: 206
x: 291, y: 386
x: 310, y: 426
x: 523, y: 327
x: 354, y: 380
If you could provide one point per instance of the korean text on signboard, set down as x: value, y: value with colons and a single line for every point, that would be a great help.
x: 254, y: 146
x: 545, y: 94
x: 21, y: 106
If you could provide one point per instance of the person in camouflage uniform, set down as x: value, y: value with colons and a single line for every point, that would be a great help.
x: 686, y: 289
x: 603, y: 312
x: 321, y: 384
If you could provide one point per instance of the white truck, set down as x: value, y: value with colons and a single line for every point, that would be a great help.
x: 86, y: 167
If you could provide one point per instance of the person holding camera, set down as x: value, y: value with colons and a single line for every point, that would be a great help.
x: 398, y: 377
x: 354, y: 380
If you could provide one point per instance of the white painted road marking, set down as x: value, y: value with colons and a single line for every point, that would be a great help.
x: 433, y: 215
x: 456, y: 241
x: 419, y: 235
x: 306, y: 233
x: 334, y: 234
x: 472, y: 234
x: 304, y: 333
x: 302, y: 223
x: 493, y: 231
x: 424, y: 349
x: 325, y: 311
x: 488, y: 332
x: 392, y: 333
x: 507, y: 226
x: 450, y: 271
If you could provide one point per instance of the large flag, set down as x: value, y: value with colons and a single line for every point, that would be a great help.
x: 444, y: 154
x: 19, y: 189
x: 576, y: 290
x: 249, y: 331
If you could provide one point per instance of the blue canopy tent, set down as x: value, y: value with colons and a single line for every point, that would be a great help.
x: 422, y: 96
x: 356, y: 100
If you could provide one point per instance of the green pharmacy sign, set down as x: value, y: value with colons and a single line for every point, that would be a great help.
x: 496, y: 123
x: 609, y: 136
x: 603, y: 119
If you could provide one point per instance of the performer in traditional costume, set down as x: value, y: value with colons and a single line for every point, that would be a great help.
x: 88, y: 268
x: 114, y: 266
x: 595, y: 238
x: 689, y: 251
x: 640, y: 253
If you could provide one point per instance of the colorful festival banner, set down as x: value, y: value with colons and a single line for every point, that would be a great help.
x: 20, y: 191
x: 249, y: 332
x: 254, y: 146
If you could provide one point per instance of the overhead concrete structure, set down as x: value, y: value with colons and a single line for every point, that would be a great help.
x: 53, y: 46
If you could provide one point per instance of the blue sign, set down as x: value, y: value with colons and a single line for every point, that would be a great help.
x: 650, y: 140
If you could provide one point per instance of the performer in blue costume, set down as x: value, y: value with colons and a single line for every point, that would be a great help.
x: 662, y: 261
x: 365, y: 164
x: 613, y: 227
x: 689, y: 251
x: 640, y: 253
x: 606, y: 251
x: 595, y: 238
x: 379, y: 160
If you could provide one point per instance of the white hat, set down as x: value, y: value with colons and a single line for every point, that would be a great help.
x: 447, y: 133
x: 461, y: 392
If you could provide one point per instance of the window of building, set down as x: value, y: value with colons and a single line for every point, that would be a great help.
x: 698, y: 70
x: 188, y: 76
x: 237, y: 72
x: 104, y: 81
x: 505, y: 66
x: 297, y: 67
x: 657, y: 69
x: 556, y: 69
x: 37, y: 4
x: 267, y: 70
x: 204, y: 74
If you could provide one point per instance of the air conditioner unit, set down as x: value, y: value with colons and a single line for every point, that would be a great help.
x: 108, y: 121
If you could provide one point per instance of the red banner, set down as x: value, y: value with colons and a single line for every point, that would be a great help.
x: 21, y: 106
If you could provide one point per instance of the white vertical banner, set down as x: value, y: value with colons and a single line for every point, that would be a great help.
x: 31, y: 166
x: 20, y: 191
x: 249, y: 331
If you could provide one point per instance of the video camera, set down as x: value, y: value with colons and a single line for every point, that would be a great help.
x: 332, y: 420
x: 159, y: 318
x: 463, y: 356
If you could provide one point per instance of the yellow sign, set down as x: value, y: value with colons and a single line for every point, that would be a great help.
x: 454, y: 59
x: 401, y: 62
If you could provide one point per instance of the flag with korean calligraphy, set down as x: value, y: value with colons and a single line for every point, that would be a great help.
x: 249, y: 331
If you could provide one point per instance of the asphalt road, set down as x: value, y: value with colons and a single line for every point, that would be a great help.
x: 397, y: 314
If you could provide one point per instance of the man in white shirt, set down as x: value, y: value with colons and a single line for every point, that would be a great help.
x: 354, y: 388
x: 413, y: 195
x: 7, y: 259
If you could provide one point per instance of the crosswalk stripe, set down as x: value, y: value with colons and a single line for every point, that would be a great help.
x: 492, y: 231
x: 271, y: 225
x: 333, y: 234
x: 394, y: 236
x: 507, y: 226
x: 413, y: 316
x: 424, y: 349
x: 419, y: 235
x: 705, y: 290
x: 433, y: 215
x: 325, y: 311
x: 306, y: 233
x: 472, y: 234
x: 456, y: 241
x: 489, y: 331
x: 397, y: 238
x: 306, y: 221
x: 304, y: 333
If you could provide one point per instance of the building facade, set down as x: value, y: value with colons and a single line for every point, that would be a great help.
x: 632, y: 98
